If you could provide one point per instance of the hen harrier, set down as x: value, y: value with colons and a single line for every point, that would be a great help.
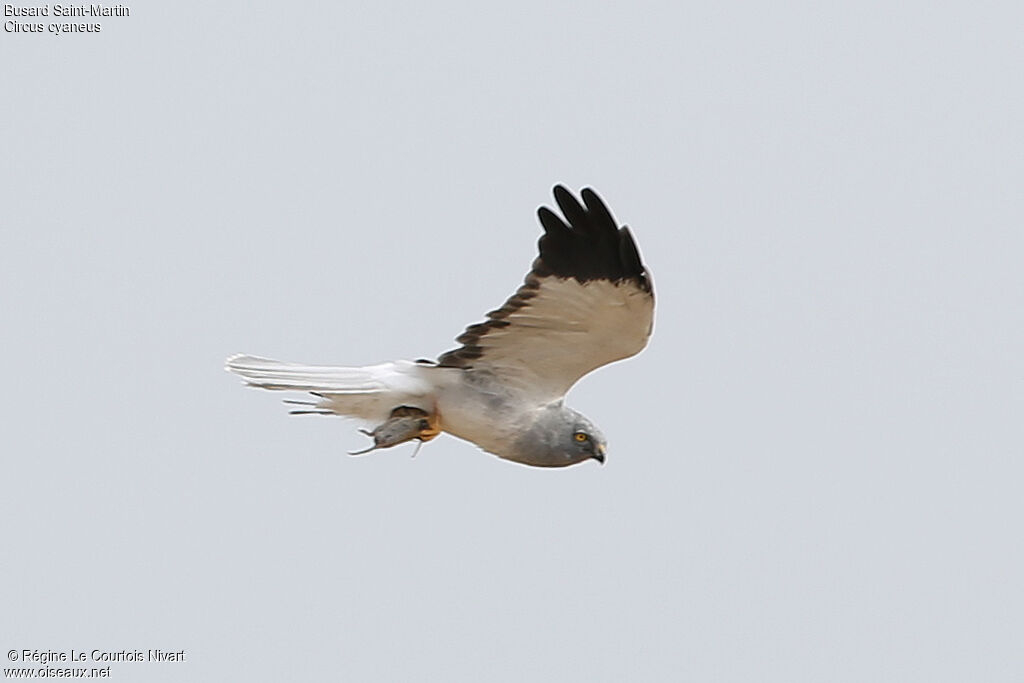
x: 587, y: 302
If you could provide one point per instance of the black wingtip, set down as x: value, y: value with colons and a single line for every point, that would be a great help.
x: 552, y: 224
x: 587, y: 244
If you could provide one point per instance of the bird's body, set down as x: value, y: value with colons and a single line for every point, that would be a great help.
x: 462, y: 403
x: 587, y: 302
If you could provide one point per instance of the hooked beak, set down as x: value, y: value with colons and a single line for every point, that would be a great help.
x: 599, y: 454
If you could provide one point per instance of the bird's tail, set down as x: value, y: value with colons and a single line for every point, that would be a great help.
x: 274, y: 374
x: 368, y: 393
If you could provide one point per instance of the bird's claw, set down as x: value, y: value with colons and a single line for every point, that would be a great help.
x: 405, y: 424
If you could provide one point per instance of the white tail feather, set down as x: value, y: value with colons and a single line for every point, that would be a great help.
x: 369, y: 392
x: 274, y: 374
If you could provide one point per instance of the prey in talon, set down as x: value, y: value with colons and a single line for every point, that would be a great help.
x: 405, y: 424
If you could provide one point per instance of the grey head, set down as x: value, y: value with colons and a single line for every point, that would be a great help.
x: 558, y: 437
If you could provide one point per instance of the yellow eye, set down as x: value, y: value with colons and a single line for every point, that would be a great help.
x: 580, y: 436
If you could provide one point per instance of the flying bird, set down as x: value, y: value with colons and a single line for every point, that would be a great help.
x: 588, y: 301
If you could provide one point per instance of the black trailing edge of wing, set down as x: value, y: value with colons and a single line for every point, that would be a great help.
x: 588, y: 244
x: 589, y: 247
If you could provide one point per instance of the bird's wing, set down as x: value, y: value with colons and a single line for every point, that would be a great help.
x: 587, y: 301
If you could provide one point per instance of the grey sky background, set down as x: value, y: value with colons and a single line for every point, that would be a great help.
x: 814, y: 470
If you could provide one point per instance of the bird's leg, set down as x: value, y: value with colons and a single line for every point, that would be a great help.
x: 405, y: 424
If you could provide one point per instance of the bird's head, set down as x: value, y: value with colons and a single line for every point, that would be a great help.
x: 587, y: 440
x: 560, y: 436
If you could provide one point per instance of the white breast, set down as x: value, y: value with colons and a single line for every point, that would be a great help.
x: 480, y: 411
